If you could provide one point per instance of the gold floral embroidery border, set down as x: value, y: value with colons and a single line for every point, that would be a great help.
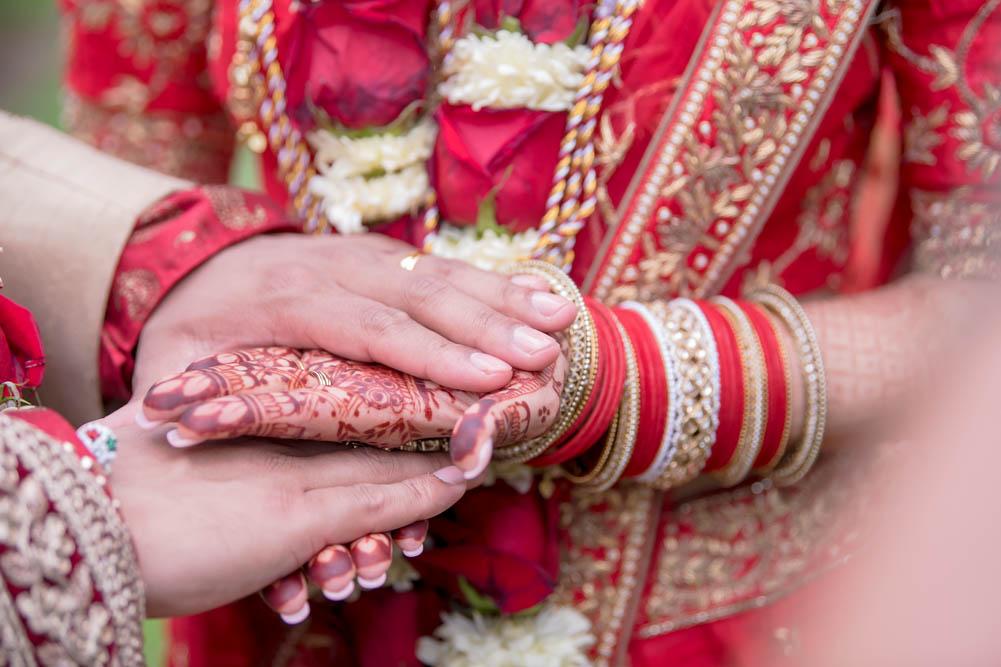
x: 604, y: 562
x: 766, y: 72
x: 88, y: 525
x: 732, y: 552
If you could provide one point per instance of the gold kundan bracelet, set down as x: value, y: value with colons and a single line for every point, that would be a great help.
x: 582, y: 346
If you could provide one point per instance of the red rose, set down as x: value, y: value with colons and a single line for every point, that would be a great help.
x: 362, y: 62
x: 512, y: 152
x: 500, y: 541
x: 22, y: 360
x: 543, y: 21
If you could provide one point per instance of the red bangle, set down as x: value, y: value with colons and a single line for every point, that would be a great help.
x: 731, y: 385
x: 604, y: 400
x: 777, y: 391
x: 653, y: 391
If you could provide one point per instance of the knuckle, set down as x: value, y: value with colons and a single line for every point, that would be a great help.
x: 513, y: 295
x: 372, y: 499
x: 424, y: 291
x: 422, y: 495
x: 450, y: 268
x: 381, y: 321
x: 486, y: 319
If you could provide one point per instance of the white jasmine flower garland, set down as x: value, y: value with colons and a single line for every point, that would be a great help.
x: 337, y: 156
x: 489, y: 252
x: 506, y: 70
x: 351, y: 202
x: 554, y: 637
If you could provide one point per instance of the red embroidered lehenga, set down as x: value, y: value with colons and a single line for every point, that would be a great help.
x: 729, y: 154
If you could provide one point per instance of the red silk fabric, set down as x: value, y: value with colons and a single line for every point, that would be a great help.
x: 171, y: 239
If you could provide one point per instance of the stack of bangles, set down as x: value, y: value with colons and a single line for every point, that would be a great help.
x: 661, y: 393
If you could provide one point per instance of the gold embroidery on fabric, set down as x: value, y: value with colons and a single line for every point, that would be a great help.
x: 922, y: 135
x: 978, y: 126
x: 136, y: 292
x: 179, y: 144
x: 954, y: 236
x: 713, y: 172
x: 231, y: 208
x: 55, y: 599
x: 739, y: 550
x: 821, y: 226
x: 159, y: 34
x: 601, y: 566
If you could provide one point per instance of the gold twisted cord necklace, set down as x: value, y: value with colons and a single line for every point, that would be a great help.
x: 257, y: 98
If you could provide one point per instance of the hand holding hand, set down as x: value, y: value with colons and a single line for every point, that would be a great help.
x: 313, y: 395
x: 441, y: 320
x: 218, y: 522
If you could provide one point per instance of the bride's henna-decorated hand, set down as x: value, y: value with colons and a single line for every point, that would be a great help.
x: 444, y: 320
x: 336, y: 568
x: 304, y: 395
x: 284, y: 392
x: 216, y: 523
x: 313, y: 395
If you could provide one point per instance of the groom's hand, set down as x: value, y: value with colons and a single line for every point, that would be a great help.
x: 216, y: 523
x: 437, y: 319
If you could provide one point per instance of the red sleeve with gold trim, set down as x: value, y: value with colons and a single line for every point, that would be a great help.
x: 945, y: 57
x: 136, y: 85
x: 70, y: 591
x: 171, y: 239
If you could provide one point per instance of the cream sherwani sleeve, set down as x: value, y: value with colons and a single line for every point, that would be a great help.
x: 66, y: 211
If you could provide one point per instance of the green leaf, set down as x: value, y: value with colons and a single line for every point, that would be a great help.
x: 486, y: 213
x: 399, y: 126
x: 579, y: 33
x: 531, y: 611
x: 477, y: 601
x: 511, y: 24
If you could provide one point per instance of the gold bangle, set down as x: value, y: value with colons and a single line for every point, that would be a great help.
x: 752, y: 363
x: 798, y: 460
x: 582, y: 340
x: 606, y: 453
x: 628, y: 418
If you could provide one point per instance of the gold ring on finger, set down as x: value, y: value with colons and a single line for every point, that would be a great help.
x: 409, y: 263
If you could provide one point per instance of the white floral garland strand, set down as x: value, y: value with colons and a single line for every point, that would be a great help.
x: 337, y: 156
x: 506, y: 70
x: 489, y: 252
x: 351, y: 202
x: 350, y: 196
x: 554, y: 637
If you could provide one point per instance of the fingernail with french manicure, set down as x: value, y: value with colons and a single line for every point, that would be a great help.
x: 177, y: 440
x: 531, y: 282
x: 343, y: 594
x: 485, y: 454
x: 547, y: 304
x: 372, y: 583
x: 488, y: 364
x: 297, y: 617
x: 530, y: 341
x: 146, y: 423
x: 450, y: 475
